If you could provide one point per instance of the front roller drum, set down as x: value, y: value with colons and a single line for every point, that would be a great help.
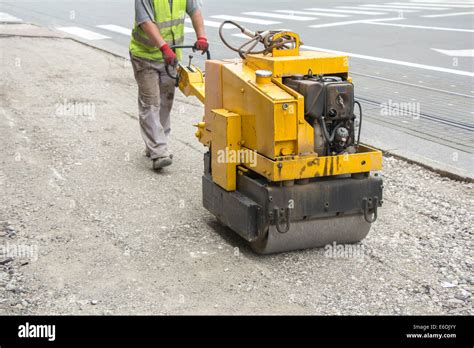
x: 316, y: 233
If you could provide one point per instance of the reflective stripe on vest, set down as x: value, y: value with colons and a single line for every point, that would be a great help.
x: 170, y: 22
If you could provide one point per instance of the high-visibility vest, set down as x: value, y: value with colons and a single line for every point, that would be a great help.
x: 170, y: 22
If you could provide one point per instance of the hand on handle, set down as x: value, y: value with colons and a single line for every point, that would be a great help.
x: 168, y: 55
x: 202, y: 44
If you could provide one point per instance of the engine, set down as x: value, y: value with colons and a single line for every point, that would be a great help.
x: 329, y: 108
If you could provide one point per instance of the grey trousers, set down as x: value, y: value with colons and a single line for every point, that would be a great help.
x: 155, y: 100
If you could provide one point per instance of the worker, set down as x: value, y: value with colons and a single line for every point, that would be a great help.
x: 159, y: 24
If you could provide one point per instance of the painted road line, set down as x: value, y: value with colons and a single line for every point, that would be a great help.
x: 432, y: 5
x: 308, y: 13
x: 83, y: 33
x: 422, y: 27
x: 188, y: 30
x: 442, y: 2
x: 280, y: 16
x: 5, y: 17
x: 337, y: 24
x: 383, y: 9
x: 245, y: 19
x: 212, y: 24
x: 319, y: 14
x: 456, y: 53
x: 242, y: 36
x: 323, y: 14
x: 370, y: 13
x: 449, y: 14
x: 116, y: 29
x: 393, y: 61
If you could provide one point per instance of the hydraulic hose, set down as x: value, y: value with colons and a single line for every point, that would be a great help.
x: 259, y: 37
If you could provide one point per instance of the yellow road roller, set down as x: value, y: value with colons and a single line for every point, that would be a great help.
x: 285, y: 168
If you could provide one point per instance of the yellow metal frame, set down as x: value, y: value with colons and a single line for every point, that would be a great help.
x: 267, y: 117
x: 306, y: 167
x: 225, y: 149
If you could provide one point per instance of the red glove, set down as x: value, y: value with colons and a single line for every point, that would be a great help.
x: 168, y: 55
x: 201, y: 44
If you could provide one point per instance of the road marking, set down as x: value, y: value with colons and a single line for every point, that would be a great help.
x: 393, y: 61
x: 442, y: 2
x: 116, y: 29
x: 370, y: 13
x: 83, y: 33
x: 435, y: 5
x: 212, y: 24
x: 245, y: 19
x: 449, y: 14
x: 242, y: 35
x: 312, y: 13
x: 281, y: 16
x: 320, y: 14
x: 456, y: 53
x: 423, y: 27
x: 188, y: 30
x: 5, y: 17
x: 383, y: 9
x: 336, y: 24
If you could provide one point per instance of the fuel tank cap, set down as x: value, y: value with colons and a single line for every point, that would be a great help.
x: 263, y: 76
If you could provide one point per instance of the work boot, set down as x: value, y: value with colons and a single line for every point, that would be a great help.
x: 162, y: 162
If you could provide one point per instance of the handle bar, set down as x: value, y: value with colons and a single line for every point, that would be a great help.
x: 208, y: 53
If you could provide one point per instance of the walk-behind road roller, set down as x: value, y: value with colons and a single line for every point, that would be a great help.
x: 285, y: 167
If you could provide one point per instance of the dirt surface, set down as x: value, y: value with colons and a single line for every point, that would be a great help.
x: 104, y: 234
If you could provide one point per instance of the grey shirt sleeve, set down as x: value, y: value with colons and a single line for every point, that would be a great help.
x: 192, y: 6
x: 144, y: 11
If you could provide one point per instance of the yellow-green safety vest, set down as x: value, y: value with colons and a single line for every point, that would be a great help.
x: 170, y: 22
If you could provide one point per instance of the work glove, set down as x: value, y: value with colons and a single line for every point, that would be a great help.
x: 169, y: 55
x: 202, y: 44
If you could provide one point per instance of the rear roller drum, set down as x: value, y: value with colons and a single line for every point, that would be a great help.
x: 313, y: 234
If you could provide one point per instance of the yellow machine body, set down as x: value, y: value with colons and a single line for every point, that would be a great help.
x: 263, y: 121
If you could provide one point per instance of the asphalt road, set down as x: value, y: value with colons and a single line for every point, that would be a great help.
x: 416, y: 52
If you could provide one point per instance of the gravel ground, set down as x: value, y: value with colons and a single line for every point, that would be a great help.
x: 96, y: 231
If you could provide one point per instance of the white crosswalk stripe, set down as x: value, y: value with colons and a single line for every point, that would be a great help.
x: 431, y: 5
x: 347, y: 11
x: 116, y: 29
x: 291, y: 16
x: 5, y: 17
x: 448, y: 14
x: 212, y: 24
x: 382, y: 7
x: 442, y: 2
x: 393, y: 61
x: 311, y: 13
x: 246, y: 20
x: 336, y: 24
x: 423, y: 27
x: 319, y: 14
x: 379, y: 9
x: 456, y: 53
x: 83, y: 33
